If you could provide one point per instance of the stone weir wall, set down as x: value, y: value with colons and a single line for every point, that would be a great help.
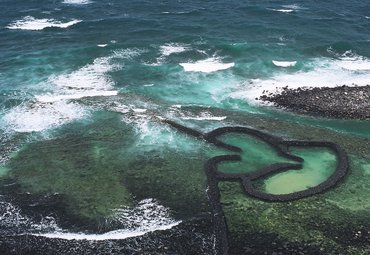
x: 282, y: 147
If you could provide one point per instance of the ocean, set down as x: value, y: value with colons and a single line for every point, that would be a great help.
x: 86, y: 154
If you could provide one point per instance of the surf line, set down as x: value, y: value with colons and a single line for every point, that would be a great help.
x: 246, y: 179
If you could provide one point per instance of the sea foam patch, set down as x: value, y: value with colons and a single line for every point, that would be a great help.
x: 354, y: 62
x: 55, y: 107
x: 207, y: 66
x: 31, y: 23
x: 282, y: 10
x: 147, y: 216
x: 204, y: 116
x: 323, y: 72
x: 93, y: 93
x: 284, y: 63
x: 76, y: 2
x: 294, y: 7
x: 89, y: 77
x: 34, y: 117
x: 173, y: 48
x: 12, y: 221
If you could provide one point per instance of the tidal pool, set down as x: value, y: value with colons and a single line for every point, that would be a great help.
x: 318, y: 165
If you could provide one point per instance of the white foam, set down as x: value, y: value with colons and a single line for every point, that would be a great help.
x: 91, y: 76
x: 10, y: 216
x: 293, y: 6
x: 138, y: 110
x: 204, y: 116
x: 282, y: 10
x: 173, y: 48
x: 180, y: 12
x: 112, y: 235
x: 76, y: 2
x: 31, y: 23
x: 34, y: 117
x: 206, y: 66
x: 54, y: 108
x: 147, y: 216
x: 12, y: 219
x: 354, y: 62
x: 361, y: 65
x: 324, y: 72
x: 48, y: 98
x: 127, y: 53
x: 284, y: 63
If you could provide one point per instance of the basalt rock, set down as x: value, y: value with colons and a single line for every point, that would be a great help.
x: 339, y: 102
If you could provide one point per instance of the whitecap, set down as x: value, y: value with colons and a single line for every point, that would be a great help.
x: 89, y: 77
x: 129, y: 53
x: 48, y: 98
x: 55, y: 107
x: 293, y: 6
x: 112, y: 235
x: 138, y: 110
x: 360, y: 65
x: 282, y: 10
x: 206, y: 66
x: 178, y: 13
x: 173, y: 48
x: 284, y: 63
x: 147, y: 216
x: 31, y: 23
x: 76, y: 2
x: 323, y: 72
x: 217, y: 118
x: 35, y: 117
x: 354, y: 62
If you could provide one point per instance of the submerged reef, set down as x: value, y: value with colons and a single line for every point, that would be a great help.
x: 332, y: 222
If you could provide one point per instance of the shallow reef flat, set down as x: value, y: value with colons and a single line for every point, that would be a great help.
x: 89, y: 169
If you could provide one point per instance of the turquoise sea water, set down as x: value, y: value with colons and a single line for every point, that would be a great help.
x: 84, y: 85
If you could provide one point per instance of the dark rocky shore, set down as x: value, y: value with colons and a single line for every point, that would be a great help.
x: 339, y: 102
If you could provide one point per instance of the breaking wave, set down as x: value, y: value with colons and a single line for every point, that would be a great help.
x: 31, y: 23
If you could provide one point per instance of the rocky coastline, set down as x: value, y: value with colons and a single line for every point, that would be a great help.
x: 338, y: 102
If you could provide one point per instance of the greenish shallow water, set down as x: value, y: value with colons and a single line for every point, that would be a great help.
x: 318, y: 165
x: 255, y: 155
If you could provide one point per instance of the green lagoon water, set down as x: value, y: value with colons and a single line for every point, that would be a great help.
x: 318, y: 165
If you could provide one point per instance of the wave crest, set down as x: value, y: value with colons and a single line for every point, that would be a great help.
x: 31, y: 23
x: 206, y: 66
x: 284, y: 63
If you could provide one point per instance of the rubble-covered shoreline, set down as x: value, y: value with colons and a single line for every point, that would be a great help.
x: 338, y: 102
